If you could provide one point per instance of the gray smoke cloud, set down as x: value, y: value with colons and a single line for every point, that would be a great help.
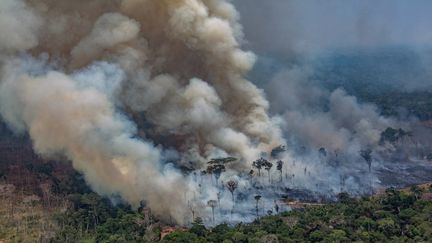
x: 122, y: 88
x: 294, y: 26
x: 20, y: 24
x: 322, y: 118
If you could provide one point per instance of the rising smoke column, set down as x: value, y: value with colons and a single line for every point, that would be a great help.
x: 320, y: 118
x: 73, y: 75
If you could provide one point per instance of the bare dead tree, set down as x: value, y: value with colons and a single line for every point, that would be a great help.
x: 267, y: 166
x: 257, y: 199
x: 259, y: 164
x: 323, y: 152
x: 367, y: 156
x: 212, y: 204
x: 46, y: 192
x: 279, y: 167
x: 192, y: 209
x: 251, y: 173
x: 232, y: 186
x: 216, y: 170
x: 276, y: 206
x: 217, y: 166
x: 219, y: 197
x: 343, y: 179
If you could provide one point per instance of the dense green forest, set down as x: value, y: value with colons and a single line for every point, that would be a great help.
x: 394, y: 216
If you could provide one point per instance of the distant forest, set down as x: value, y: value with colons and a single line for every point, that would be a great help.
x: 397, y: 79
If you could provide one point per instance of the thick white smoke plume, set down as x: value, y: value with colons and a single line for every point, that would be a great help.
x: 117, y: 86
x: 19, y: 26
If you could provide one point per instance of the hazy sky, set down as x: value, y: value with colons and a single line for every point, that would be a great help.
x: 311, y: 25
